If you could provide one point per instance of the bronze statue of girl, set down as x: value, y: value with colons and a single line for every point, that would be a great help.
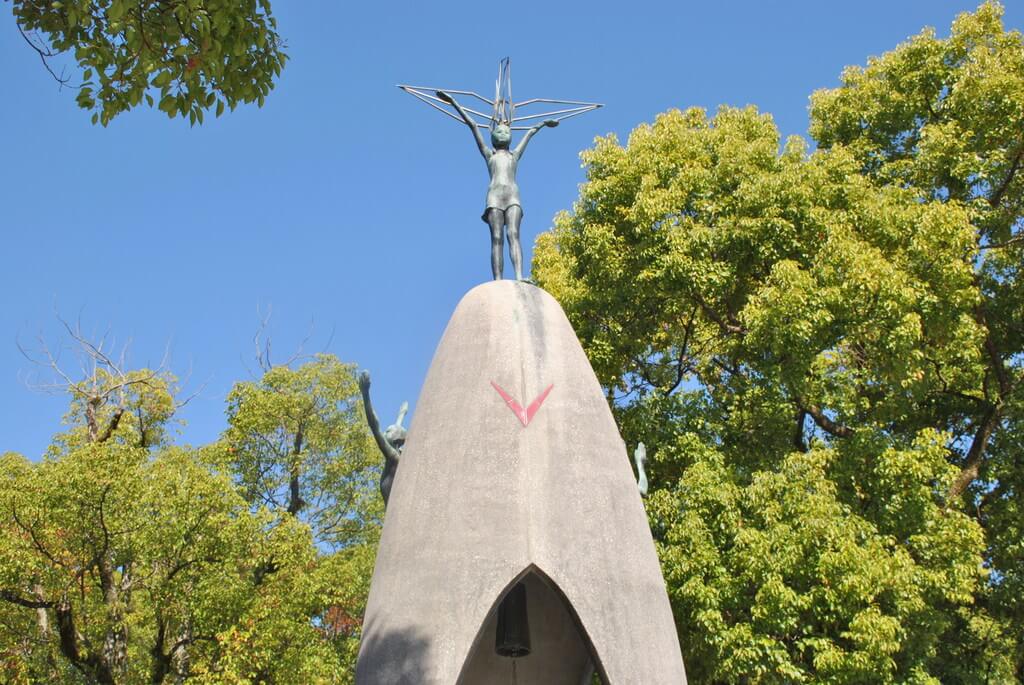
x: 503, y: 211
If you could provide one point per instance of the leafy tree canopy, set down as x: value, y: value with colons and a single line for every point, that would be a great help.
x: 298, y: 442
x: 125, y: 559
x: 825, y: 352
x: 185, y: 57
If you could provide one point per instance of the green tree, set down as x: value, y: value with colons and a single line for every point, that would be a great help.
x: 945, y: 118
x: 806, y: 341
x: 298, y: 445
x: 125, y: 559
x: 184, y: 56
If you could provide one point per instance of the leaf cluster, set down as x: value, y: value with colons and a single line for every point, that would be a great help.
x: 185, y: 57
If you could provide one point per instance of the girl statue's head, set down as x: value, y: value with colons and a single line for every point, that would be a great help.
x: 501, y: 136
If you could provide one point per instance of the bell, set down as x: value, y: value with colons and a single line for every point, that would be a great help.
x: 513, y: 635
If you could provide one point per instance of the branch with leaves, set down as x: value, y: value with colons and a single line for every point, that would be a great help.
x: 185, y: 57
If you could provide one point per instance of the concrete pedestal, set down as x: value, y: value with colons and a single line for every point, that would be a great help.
x: 500, y: 482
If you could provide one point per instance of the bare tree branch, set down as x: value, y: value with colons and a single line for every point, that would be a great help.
x: 263, y: 348
x: 1005, y: 243
x: 975, y: 455
x: 15, y: 598
x: 997, y: 196
x: 823, y: 421
x: 44, y: 55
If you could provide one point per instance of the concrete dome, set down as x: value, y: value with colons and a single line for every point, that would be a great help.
x: 499, y: 482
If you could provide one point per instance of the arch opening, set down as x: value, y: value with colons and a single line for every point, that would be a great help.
x: 560, y: 652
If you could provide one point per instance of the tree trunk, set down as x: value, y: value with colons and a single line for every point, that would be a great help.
x: 295, y: 502
x: 972, y: 465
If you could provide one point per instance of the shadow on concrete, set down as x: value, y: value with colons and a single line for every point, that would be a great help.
x: 395, y: 657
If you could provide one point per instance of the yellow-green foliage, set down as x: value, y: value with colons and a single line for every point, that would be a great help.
x: 824, y: 351
x: 124, y: 559
x: 305, y: 426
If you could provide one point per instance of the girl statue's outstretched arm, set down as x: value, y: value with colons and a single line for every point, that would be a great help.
x: 484, y: 150
x: 391, y: 455
x: 402, y: 411
x: 521, y: 148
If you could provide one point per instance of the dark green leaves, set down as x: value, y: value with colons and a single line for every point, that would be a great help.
x: 196, y: 53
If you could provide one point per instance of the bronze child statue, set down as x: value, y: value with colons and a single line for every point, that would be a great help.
x: 390, y: 441
x: 503, y: 211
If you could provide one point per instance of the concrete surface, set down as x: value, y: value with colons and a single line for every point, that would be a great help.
x: 480, y: 500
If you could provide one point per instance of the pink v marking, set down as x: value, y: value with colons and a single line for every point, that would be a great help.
x: 524, y: 415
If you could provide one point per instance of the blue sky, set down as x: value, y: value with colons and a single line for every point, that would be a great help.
x: 344, y: 206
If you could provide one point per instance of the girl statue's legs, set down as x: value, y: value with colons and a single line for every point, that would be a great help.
x: 496, y: 220
x: 514, y: 216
